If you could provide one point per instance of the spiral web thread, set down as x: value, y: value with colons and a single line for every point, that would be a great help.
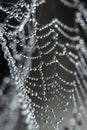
x: 48, y: 73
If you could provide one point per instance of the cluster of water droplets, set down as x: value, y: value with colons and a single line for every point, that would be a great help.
x: 48, y: 73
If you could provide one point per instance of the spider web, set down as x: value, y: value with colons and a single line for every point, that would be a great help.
x: 50, y: 72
